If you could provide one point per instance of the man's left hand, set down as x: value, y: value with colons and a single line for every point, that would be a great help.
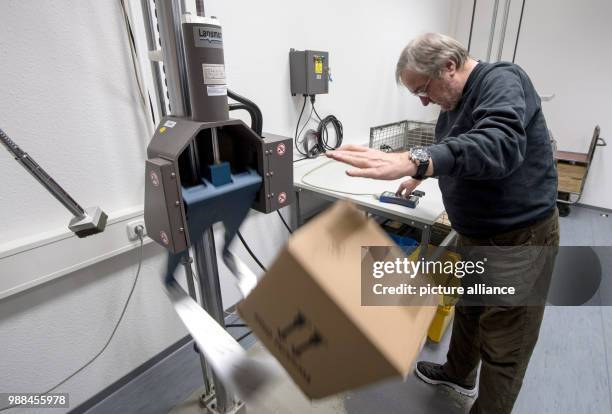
x: 373, y: 163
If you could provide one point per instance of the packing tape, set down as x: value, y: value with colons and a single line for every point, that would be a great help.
x: 244, y: 375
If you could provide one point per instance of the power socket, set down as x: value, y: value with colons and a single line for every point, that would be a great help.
x: 131, y: 229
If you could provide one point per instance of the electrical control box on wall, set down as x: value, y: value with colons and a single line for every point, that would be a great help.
x: 309, y: 72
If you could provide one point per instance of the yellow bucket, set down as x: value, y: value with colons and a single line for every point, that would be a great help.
x: 443, y: 317
x: 446, y: 308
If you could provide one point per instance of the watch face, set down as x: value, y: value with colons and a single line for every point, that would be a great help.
x: 420, y: 154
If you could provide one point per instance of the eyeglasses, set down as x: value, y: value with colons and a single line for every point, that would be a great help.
x: 422, y: 93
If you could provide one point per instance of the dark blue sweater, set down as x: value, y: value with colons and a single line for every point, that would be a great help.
x: 493, y: 156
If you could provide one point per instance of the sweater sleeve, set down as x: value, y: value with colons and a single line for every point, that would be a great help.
x: 495, y: 146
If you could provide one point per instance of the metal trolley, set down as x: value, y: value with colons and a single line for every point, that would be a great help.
x: 573, y: 168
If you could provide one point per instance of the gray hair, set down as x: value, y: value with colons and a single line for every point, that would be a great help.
x: 428, y: 54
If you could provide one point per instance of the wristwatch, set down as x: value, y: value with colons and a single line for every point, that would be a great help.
x: 420, y: 156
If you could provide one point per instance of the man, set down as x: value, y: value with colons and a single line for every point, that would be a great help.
x: 495, y: 169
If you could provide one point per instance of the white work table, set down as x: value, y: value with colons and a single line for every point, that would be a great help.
x: 328, y: 179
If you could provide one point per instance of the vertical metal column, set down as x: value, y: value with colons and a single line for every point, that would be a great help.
x: 210, y: 292
x: 174, y: 57
x: 206, y: 374
x: 208, y: 271
x: 178, y: 107
x: 518, y: 31
x: 169, y: 18
x: 503, y: 30
x: 492, y: 31
x: 215, y: 145
x: 471, y: 26
x: 200, y: 7
x: 152, y: 48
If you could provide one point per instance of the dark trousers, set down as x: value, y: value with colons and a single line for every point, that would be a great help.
x: 501, y: 337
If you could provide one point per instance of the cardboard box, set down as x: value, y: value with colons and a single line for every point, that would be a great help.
x: 307, y: 309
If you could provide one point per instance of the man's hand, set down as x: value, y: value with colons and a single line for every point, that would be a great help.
x: 407, y: 187
x: 372, y: 163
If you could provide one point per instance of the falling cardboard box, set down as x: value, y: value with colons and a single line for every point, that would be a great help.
x: 307, y: 309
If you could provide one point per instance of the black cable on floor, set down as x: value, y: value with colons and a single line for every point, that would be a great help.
x: 240, y: 338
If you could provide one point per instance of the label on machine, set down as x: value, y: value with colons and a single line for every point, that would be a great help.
x: 208, y: 36
x: 216, y: 90
x: 170, y: 124
x: 214, y: 74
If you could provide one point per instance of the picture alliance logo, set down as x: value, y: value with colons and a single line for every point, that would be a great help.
x: 211, y: 36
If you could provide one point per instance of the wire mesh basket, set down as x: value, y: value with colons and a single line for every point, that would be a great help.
x: 402, y: 135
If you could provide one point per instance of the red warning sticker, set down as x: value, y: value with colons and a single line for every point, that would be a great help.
x: 164, y: 237
x: 154, y: 178
x: 282, y: 198
x: 280, y: 149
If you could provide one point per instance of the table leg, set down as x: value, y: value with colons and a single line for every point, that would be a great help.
x: 425, y: 236
x: 298, y: 210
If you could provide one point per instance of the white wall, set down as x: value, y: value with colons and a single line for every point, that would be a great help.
x: 564, y: 47
x: 363, y: 38
x: 69, y: 98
